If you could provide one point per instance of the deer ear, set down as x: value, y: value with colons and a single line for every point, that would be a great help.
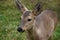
x: 37, y: 9
x: 20, y: 6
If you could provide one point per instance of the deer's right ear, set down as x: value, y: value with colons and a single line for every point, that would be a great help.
x: 20, y: 6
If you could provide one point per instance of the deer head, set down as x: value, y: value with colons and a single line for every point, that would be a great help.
x: 28, y: 17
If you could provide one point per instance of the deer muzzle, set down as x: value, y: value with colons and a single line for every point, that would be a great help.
x: 20, y: 29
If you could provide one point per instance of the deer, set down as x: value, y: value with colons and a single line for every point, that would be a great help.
x: 38, y: 25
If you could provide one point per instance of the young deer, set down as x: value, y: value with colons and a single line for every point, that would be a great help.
x: 37, y: 25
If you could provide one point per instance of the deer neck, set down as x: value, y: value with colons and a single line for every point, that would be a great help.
x: 31, y: 34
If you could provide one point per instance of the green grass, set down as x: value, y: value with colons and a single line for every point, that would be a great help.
x: 10, y: 19
x: 57, y: 32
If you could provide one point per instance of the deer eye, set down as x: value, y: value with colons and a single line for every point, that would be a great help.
x: 29, y: 19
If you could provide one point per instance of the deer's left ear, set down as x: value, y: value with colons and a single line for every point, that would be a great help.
x: 37, y: 9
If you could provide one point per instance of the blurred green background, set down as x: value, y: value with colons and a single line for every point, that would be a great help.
x: 10, y: 17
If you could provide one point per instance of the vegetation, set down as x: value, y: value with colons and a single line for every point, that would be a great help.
x: 10, y: 17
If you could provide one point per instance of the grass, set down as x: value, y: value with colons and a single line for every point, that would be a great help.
x: 10, y: 18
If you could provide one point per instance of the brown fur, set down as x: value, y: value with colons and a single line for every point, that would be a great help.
x: 42, y: 27
x: 42, y: 24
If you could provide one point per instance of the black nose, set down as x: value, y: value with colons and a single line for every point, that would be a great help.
x: 20, y: 29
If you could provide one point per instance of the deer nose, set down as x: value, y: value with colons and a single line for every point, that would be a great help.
x: 20, y: 29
